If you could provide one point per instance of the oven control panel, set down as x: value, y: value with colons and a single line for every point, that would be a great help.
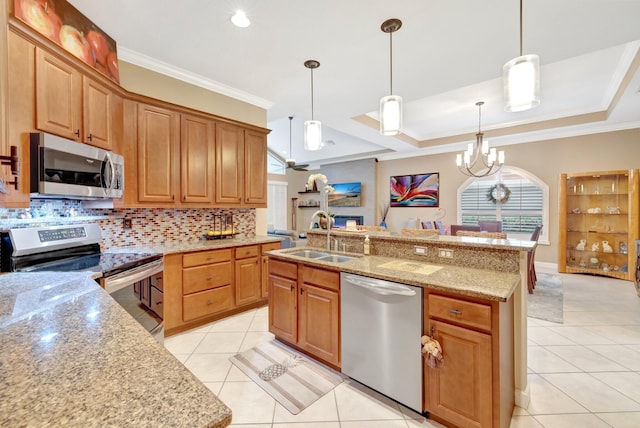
x: 59, y: 234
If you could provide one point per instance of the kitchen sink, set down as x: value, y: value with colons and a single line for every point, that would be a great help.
x: 309, y: 254
x: 335, y: 258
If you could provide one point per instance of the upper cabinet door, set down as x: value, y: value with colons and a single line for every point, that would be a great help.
x: 158, y: 154
x: 255, y: 183
x: 197, y: 147
x: 97, y: 115
x: 58, y: 96
x: 229, y: 164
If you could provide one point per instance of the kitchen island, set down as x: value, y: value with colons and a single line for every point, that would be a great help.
x: 474, y: 297
x: 71, y: 356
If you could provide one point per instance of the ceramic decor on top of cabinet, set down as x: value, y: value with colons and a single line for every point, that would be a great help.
x: 598, y: 223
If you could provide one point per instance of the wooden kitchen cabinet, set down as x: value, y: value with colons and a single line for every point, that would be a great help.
x: 283, y: 314
x: 158, y: 154
x: 204, y: 286
x: 247, y: 280
x: 229, y: 164
x: 255, y: 156
x: 474, y: 386
x: 304, y: 309
x: 20, y: 117
x: 241, y: 166
x: 197, y: 159
x: 73, y: 105
x: 598, y: 223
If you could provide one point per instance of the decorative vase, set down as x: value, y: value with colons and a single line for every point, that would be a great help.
x: 315, y: 186
x: 323, y: 222
x: 383, y: 224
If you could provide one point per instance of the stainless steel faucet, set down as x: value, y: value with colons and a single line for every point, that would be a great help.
x: 317, y: 213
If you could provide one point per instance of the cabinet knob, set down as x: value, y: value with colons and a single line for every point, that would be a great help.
x: 77, y: 133
x: 209, y: 302
x: 90, y: 137
x: 209, y: 278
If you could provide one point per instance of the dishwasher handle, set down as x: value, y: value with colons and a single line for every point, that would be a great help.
x: 379, y: 286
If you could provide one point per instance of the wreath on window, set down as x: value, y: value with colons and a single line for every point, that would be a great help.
x: 498, y: 193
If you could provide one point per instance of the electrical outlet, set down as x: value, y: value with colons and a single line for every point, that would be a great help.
x: 127, y: 223
x: 419, y: 250
x: 443, y: 252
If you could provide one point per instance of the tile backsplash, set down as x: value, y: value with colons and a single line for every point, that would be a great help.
x: 149, y: 225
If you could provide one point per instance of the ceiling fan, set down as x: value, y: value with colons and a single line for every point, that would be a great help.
x: 291, y: 163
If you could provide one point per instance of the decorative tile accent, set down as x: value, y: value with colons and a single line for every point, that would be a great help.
x: 149, y: 225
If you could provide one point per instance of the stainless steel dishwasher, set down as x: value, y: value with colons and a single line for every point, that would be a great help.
x: 381, y: 332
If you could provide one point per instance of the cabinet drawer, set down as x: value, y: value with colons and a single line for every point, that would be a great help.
x: 207, y: 302
x: 271, y: 246
x: 323, y: 278
x: 248, y: 251
x: 206, y: 277
x: 284, y: 269
x: 460, y: 311
x: 157, y: 297
x: 156, y: 281
x: 206, y: 257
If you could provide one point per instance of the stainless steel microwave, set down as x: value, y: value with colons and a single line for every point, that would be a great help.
x: 65, y: 169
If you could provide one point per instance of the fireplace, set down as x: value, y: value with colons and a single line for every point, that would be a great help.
x: 340, y: 221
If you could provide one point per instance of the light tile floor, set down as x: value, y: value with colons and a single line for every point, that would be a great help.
x: 583, y: 373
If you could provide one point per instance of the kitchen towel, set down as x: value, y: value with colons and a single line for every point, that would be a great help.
x: 292, y: 379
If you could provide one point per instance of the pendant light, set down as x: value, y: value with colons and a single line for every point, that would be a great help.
x: 312, y: 128
x: 521, y: 80
x: 391, y: 105
x: 490, y: 160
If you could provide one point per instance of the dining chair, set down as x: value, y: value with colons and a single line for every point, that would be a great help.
x: 440, y: 227
x: 456, y: 227
x: 531, y: 255
x: 490, y: 225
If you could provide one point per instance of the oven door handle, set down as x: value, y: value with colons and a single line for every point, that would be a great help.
x: 116, y: 282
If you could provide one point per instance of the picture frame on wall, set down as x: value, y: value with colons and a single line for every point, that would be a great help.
x: 345, y: 195
x: 64, y: 25
x: 415, y: 190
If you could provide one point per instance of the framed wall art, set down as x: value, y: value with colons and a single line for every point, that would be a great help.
x: 416, y: 190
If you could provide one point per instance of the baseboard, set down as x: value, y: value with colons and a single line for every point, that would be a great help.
x: 547, y: 265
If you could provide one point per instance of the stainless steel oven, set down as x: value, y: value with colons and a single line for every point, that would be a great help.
x: 133, y: 279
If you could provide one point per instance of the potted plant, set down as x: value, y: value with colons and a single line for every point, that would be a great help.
x: 323, y: 219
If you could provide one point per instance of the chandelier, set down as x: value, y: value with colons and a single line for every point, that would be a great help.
x: 488, y: 160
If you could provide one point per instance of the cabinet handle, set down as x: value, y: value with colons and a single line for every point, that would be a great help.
x: 159, y: 303
x: 301, y: 290
x: 209, y: 278
x: 90, y: 137
x: 77, y: 132
x: 292, y: 287
x: 455, y: 311
x: 209, y: 302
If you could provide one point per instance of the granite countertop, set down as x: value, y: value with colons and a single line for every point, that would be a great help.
x: 482, y: 283
x: 186, y: 247
x: 71, y: 356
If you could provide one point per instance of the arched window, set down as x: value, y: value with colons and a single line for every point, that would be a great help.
x: 513, y: 195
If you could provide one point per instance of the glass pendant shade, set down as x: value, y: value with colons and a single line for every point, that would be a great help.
x: 312, y: 135
x: 391, y: 115
x: 521, y: 78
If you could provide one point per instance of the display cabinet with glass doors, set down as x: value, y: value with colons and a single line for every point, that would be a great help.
x: 598, y: 223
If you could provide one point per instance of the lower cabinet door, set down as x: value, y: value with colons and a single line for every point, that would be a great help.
x: 208, y: 302
x: 318, y: 322
x: 460, y: 391
x: 247, y: 281
x: 282, y: 308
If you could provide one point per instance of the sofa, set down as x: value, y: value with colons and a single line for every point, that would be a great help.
x: 289, y: 237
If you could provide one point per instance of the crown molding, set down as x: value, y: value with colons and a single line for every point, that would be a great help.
x: 153, y: 64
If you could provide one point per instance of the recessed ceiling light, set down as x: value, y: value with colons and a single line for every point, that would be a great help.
x: 240, y: 19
